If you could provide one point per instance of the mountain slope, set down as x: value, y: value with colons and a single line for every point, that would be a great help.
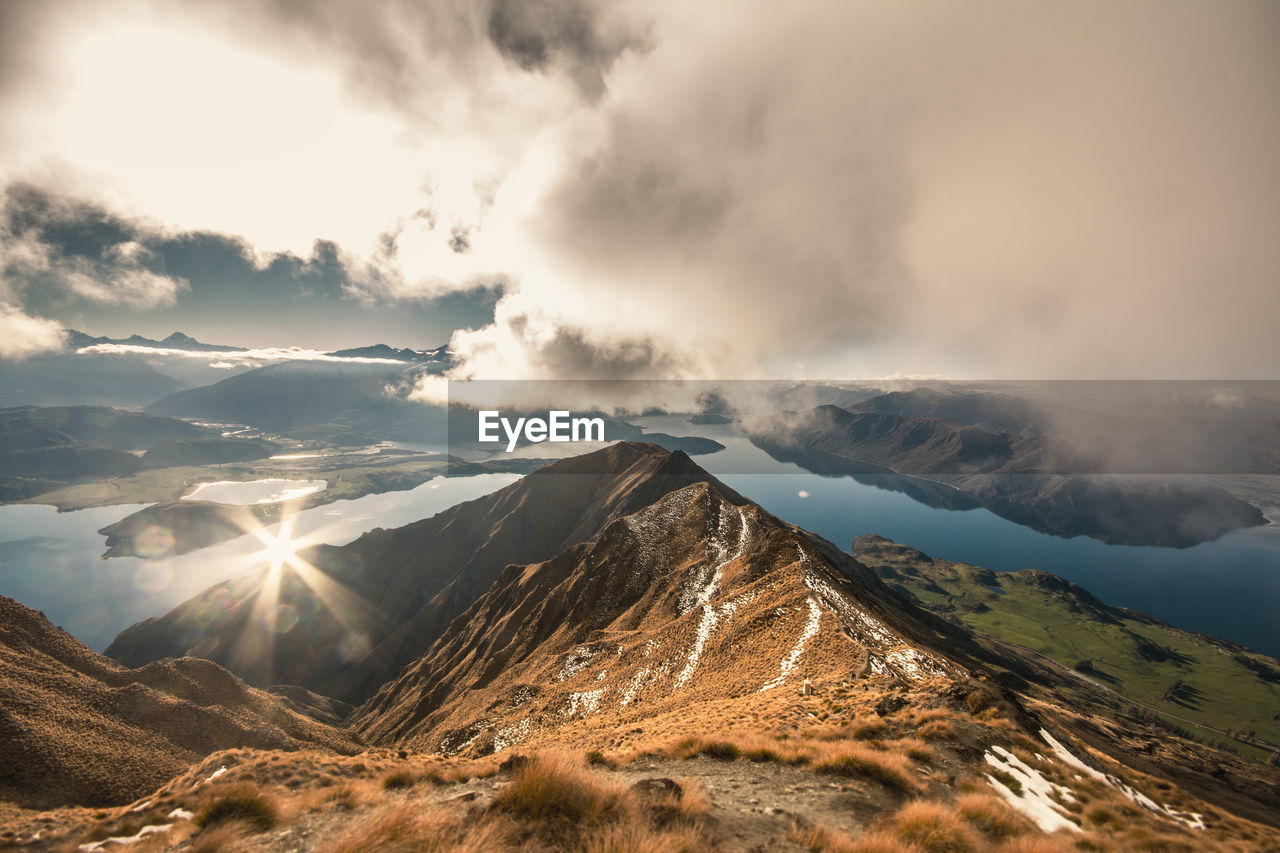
x: 395, y: 590
x: 988, y: 411
x: 42, y: 449
x: 693, y: 598
x: 76, y: 727
x: 1191, y: 679
x: 1013, y: 476
x: 332, y: 401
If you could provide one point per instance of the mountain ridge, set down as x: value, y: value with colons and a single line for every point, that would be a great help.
x: 694, y: 574
x: 407, y: 584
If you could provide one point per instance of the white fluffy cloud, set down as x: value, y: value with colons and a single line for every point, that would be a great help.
x: 22, y: 336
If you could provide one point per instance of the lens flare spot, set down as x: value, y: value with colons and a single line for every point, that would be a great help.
x: 153, y: 542
x: 286, y: 618
x: 353, y: 648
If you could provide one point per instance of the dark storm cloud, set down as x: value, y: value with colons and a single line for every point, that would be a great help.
x: 395, y: 50
x: 572, y: 353
x: 55, y: 250
x: 577, y: 35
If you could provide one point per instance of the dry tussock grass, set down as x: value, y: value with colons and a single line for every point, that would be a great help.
x: 751, y: 747
x: 821, y: 839
x: 855, y: 760
x: 223, y: 838
x: 992, y: 816
x: 1041, y: 844
x: 553, y: 801
x: 402, y: 778
x: 240, y: 804
x: 938, y: 730
x: 409, y: 827
x: 935, y: 828
x: 553, y: 793
x: 913, y: 748
x: 638, y: 838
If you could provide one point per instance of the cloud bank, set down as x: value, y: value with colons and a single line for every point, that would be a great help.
x: 993, y: 189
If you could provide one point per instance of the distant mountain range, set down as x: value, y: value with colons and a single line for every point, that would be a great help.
x: 439, y: 356
x: 1029, y: 478
x: 347, y: 404
x: 177, y: 340
x: 138, y: 378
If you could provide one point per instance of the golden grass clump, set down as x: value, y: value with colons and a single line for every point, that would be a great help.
x: 692, y: 747
x: 241, y: 803
x: 752, y: 747
x: 935, y: 828
x: 937, y: 730
x: 855, y: 760
x: 397, y: 779
x: 639, y: 838
x: 223, y: 838
x: 1038, y: 844
x: 913, y: 748
x: 409, y: 827
x: 821, y: 839
x: 556, y: 795
x: 991, y: 816
x: 688, y: 805
x: 867, y: 728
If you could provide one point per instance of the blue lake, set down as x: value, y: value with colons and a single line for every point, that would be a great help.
x: 1229, y: 588
x: 51, y: 560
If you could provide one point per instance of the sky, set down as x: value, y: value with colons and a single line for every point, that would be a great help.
x: 574, y: 189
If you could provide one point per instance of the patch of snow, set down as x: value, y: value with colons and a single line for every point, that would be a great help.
x: 914, y: 664
x: 575, y: 660
x: 181, y: 814
x: 652, y: 526
x: 1191, y: 820
x: 705, y: 626
x: 704, y: 580
x: 586, y: 702
x: 634, y: 687
x: 125, y: 839
x: 511, y: 735
x: 789, y: 662
x: 707, y: 584
x: 215, y: 774
x: 1037, y: 798
x: 898, y: 655
x: 140, y: 807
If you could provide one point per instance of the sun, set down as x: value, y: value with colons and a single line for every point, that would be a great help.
x: 280, y: 549
x: 273, y: 612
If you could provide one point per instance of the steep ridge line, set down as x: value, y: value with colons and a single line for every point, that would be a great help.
x: 729, y: 601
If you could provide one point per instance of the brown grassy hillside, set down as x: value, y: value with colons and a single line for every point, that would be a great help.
x: 76, y: 727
